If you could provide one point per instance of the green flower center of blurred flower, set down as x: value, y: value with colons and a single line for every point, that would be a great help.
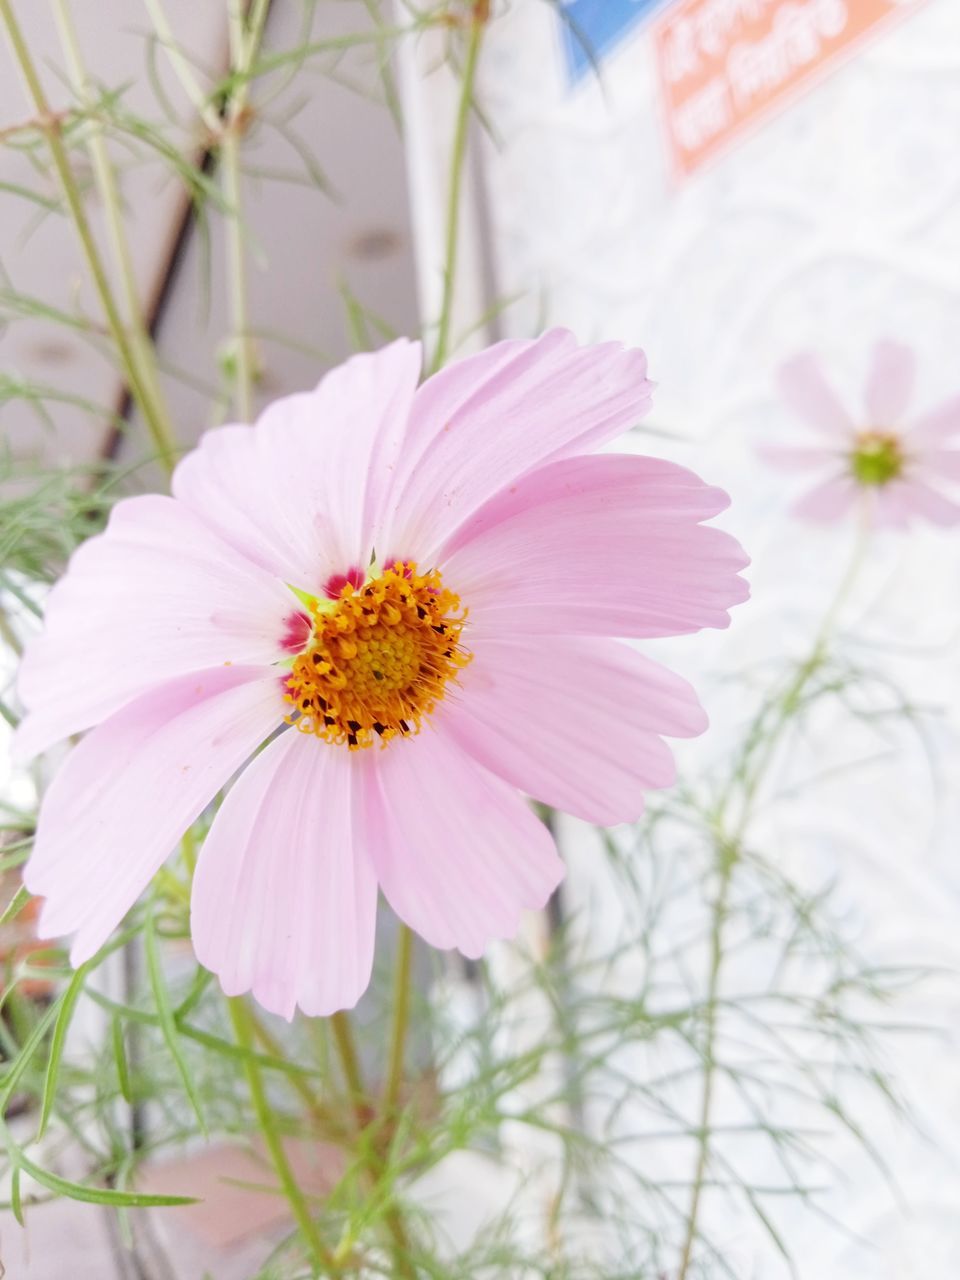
x: 877, y: 458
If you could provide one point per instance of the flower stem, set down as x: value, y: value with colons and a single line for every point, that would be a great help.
x: 181, y: 67
x: 237, y: 273
x: 350, y: 1062
x: 246, y: 37
x: 109, y: 191
x: 51, y: 126
x: 244, y: 1031
x: 330, y: 1126
x: 719, y: 916
x: 457, y: 165
x: 728, y: 845
x: 401, y: 1019
x: 806, y: 669
x: 249, y: 37
x: 245, y: 41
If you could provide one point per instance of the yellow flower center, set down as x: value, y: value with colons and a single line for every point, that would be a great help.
x: 877, y: 457
x: 379, y: 658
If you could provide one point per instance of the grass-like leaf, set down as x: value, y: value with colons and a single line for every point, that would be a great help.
x: 168, y: 1024
x: 67, y: 1004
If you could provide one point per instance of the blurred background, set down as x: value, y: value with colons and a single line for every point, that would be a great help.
x: 725, y: 183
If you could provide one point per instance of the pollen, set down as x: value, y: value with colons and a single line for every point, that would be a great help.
x: 379, y: 658
x: 877, y: 457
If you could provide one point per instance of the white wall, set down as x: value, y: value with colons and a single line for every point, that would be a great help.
x: 834, y: 223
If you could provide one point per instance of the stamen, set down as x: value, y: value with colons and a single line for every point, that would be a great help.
x: 379, y: 660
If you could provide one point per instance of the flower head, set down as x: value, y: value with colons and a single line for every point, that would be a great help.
x: 893, y: 468
x: 407, y: 594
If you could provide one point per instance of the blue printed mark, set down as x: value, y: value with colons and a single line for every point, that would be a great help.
x: 593, y: 28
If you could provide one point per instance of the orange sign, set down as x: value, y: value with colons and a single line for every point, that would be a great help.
x: 724, y: 63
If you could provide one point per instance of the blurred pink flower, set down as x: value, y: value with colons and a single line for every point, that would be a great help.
x: 893, y: 467
x: 422, y: 581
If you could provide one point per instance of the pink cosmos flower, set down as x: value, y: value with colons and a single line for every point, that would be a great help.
x: 407, y: 593
x: 894, y: 469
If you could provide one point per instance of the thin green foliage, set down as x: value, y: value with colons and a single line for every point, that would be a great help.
x: 167, y: 1022
x: 15, y: 906
x: 721, y: 975
x: 120, y: 1060
x: 66, y: 1006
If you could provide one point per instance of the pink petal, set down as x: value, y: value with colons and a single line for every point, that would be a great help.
x: 919, y: 499
x: 284, y: 900
x: 789, y: 458
x: 807, y: 391
x: 829, y: 501
x: 155, y: 596
x: 302, y: 492
x: 484, y: 421
x: 886, y: 507
x: 606, y: 545
x: 890, y: 383
x: 124, y: 797
x: 941, y: 463
x: 573, y: 722
x: 939, y: 423
x: 458, y: 853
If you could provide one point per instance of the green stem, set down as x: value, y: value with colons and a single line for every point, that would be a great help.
x: 245, y: 41
x: 109, y: 191
x: 401, y: 1019
x: 244, y: 1033
x: 246, y: 37
x: 250, y: 36
x: 719, y: 912
x: 728, y: 845
x: 350, y: 1062
x: 331, y: 1126
x: 237, y: 273
x: 806, y: 669
x: 50, y: 124
x: 181, y: 67
x: 457, y: 165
